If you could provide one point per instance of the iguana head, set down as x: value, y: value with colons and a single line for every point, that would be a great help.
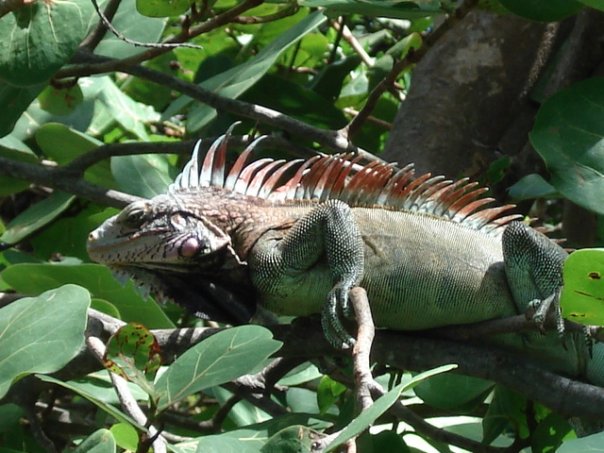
x: 175, y: 253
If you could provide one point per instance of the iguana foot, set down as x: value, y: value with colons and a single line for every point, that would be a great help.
x: 539, y: 309
x: 337, y: 305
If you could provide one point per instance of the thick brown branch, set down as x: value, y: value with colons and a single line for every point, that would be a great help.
x: 46, y: 175
x: 77, y: 166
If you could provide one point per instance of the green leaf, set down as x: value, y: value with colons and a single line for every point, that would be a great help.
x: 63, y: 144
x: 542, y: 10
x: 235, y: 81
x: 15, y: 101
x: 453, y: 391
x: 39, y: 38
x: 41, y: 334
x: 222, y: 443
x: 530, y: 187
x: 381, y: 405
x: 216, y: 360
x: 596, y: 4
x: 133, y: 353
x: 132, y: 25
x: 395, y: 9
x: 36, y: 216
x: 10, y: 417
x: 100, y: 441
x: 549, y: 433
x: 328, y: 392
x: 144, y: 175
x: 583, y: 292
x: 131, y: 115
x: 569, y: 136
x: 293, y: 439
x: 60, y: 101
x: 114, y: 412
x: 591, y: 444
x: 506, y: 411
x: 30, y: 278
x: 295, y: 100
x: 67, y: 235
x: 125, y: 436
x: 162, y: 8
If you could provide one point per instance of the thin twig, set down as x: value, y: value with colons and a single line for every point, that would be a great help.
x: 115, y: 65
x: 354, y: 43
x: 78, y: 165
x: 129, y: 403
x: 161, y: 45
x: 95, y: 37
x: 412, y: 57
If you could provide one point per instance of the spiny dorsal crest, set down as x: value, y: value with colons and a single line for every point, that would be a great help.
x: 341, y: 177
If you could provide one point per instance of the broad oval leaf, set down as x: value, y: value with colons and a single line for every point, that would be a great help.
x: 216, y: 360
x: 41, y: 334
x: 101, y: 441
x: 39, y: 37
x: 132, y: 25
x: 60, y: 101
x: 14, y: 101
x: 134, y: 353
x: 63, y: 144
x: 33, y: 278
x: 36, y: 216
x: 145, y: 175
x: 569, y: 136
x: 582, y: 297
x: 531, y: 186
x: 452, y: 391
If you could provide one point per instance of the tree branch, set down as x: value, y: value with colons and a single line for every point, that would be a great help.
x: 46, y: 175
x: 335, y: 140
x: 111, y: 65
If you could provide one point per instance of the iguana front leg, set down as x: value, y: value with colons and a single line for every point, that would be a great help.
x: 284, y: 264
x: 533, y: 266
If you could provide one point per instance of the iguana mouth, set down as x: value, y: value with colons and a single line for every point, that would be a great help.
x: 202, y: 294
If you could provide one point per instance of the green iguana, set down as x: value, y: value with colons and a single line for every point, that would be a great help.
x: 427, y: 250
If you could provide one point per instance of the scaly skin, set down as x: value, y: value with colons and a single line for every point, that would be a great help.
x: 302, y: 256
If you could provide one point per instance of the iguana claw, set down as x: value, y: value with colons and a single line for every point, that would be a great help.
x: 538, y: 310
x: 337, y: 302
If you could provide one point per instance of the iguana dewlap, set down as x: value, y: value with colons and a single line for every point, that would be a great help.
x: 426, y: 249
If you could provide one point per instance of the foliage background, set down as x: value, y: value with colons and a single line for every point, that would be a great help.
x: 506, y: 92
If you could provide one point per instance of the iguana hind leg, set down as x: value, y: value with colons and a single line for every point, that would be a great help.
x: 533, y: 266
x: 291, y: 263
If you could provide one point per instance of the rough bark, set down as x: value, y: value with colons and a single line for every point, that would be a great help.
x: 465, y: 93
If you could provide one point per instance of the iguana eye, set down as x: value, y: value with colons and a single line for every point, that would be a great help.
x: 133, y: 214
x: 178, y: 220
